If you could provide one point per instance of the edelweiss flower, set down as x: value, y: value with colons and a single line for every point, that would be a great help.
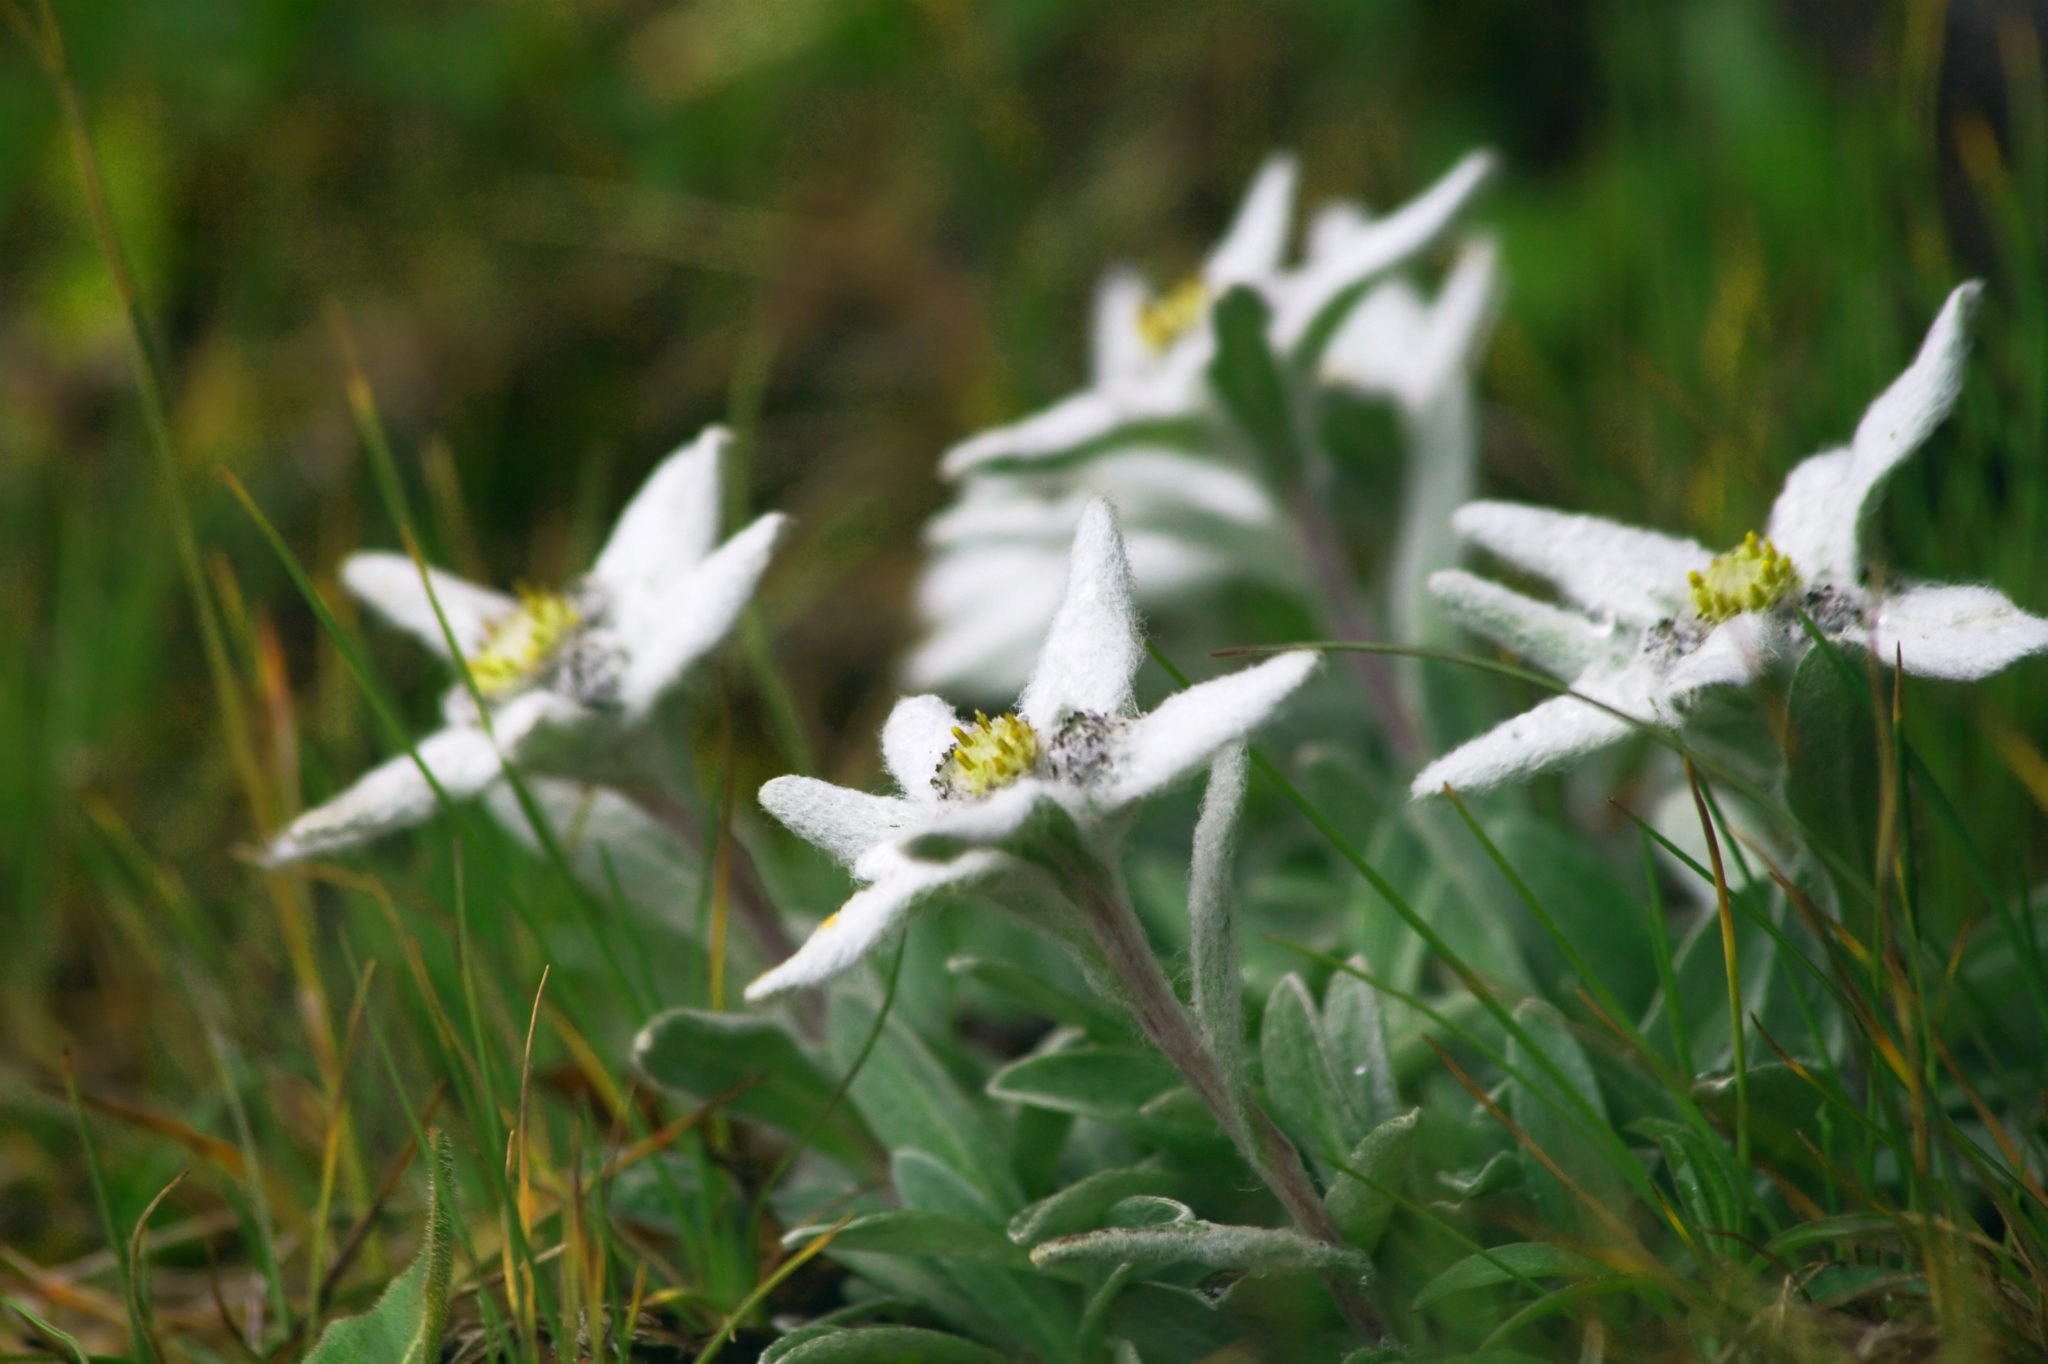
x: 1659, y: 620
x: 1152, y: 352
x: 968, y: 791
x: 561, y: 674
x: 1191, y: 519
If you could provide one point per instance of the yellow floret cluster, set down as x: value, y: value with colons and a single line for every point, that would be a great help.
x: 519, y: 643
x: 988, y: 755
x: 1751, y: 577
x: 1167, y: 318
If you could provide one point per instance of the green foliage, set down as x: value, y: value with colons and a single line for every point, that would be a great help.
x: 405, y: 1326
x: 469, y: 273
x: 709, y: 1056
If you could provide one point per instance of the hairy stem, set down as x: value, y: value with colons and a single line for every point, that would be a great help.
x: 1152, y: 1002
x: 1347, y: 615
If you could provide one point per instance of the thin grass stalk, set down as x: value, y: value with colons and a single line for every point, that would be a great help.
x: 1667, y: 971
x: 49, y: 50
x: 123, y: 1271
x: 1737, y: 1027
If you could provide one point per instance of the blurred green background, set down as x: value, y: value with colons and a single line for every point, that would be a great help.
x: 561, y: 237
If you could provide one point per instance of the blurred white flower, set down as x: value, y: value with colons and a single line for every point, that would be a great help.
x: 1075, y: 740
x: 1152, y: 351
x: 561, y: 674
x: 1653, y: 621
x: 997, y: 557
x: 1418, y: 353
x: 1193, y: 519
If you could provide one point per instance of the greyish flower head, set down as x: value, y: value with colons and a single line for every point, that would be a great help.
x: 1194, y: 517
x: 560, y: 674
x: 1152, y: 347
x: 968, y: 788
x: 1650, y: 622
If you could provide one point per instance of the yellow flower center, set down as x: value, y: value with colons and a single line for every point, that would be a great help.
x: 987, y: 756
x: 1167, y: 318
x: 1751, y: 577
x: 519, y: 643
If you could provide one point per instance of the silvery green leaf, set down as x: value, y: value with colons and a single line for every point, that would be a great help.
x: 1385, y: 1157
x: 1354, y: 1026
x: 1045, y: 997
x: 908, y: 1231
x: 910, y: 1100
x: 1502, y: 1264
x: 705, y: 1054
x: 884, y: 1345
x: 1251, y: 1250
x: 406, y: 1324
x: 1091, y: 1081
x: 1558, y: 1126
x: 1309, y: 1102
x: 1086, y: 1202
x: 925, y: 1182
x: 1501, y: 1171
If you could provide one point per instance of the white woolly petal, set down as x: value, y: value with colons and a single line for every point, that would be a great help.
x: 871, y: 916
x: 946, y: 826
x: 1547, y: 736
x: 1380, y: 343
x: 1818, y: 518
x: 988, y: 610
x: 389, y: 584
x: 844, y: 822
x: 1171, y: 387
x: 1092, y: 650
x: 915, y: 739
x: 1251, y: 250
x: 1120, y: 351
x: 1562, y: 643
x: 1190, y: 726
x: 1734, y: 654
x: 1333, y: 227
x: 1071, y: 422
x: 391, y: 796
x: 1148, y: 484
x: 689, y: 617
x: 1920, y: 398
x: 394, y: 795
x: 1637, y: 576
x: 1395, y: 343
x: 1378, y: 245
x: 1962, y: 633
x: 669, y: 525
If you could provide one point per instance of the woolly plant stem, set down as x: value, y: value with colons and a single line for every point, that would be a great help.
x: 1349, y: 617
x: 1150, y: 998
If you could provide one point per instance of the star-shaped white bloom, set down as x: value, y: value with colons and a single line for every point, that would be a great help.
x: 1652, y: 621
x: 562, y: 675
x: 1152, y: 353
x: 1075, y: 740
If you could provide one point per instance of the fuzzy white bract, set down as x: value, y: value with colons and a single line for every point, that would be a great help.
x: 1651, y: 622
x: 561, y: 675
x: 967, y: 790
x: 1194, y: 512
